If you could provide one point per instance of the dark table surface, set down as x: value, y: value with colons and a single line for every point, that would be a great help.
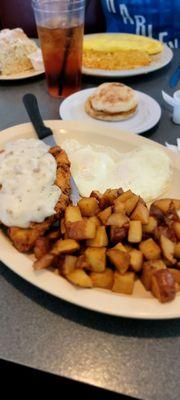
x: 137, y: 358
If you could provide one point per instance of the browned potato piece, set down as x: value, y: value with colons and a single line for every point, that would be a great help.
x: 163, y: 204
x: 150, y: 249
x: 65, y: 246
x: 177, y: 250
x: 95, y: 220
x: 105, y: 214
x: 120, y: 246
x: 109, y: 196
x: 119, y: 259
x: 136, y: 260
x: 42, y: 247
x: 125, y: 196
x: 103, y: 279
x: 96, y: 194
x: 88, y: 206
x: 176, y: 227
x: 53, y: 235
x: 80, y: 278
x: 68, y: 264
x: 81, y: 262
x: 176, y: 274
x: 118, y: 206
x: 131, y: 203
x: 148, y: 269
x: 43, y: 262
x: 72, y: 214
x: 62, y: 226
x: 135, y: 232
x: 163, y: 285
x: 117, y: 234
x: 123, y: 283
x: 117, y: 219
x: 96, y: 258
x: 81, y: 230
x: 151, y: 225
x: 101, y: 238
x: 141, y: 213
x: 167, y: 247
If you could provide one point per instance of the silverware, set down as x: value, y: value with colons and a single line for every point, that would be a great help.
x: 175, y: 77
x: 44, y: 133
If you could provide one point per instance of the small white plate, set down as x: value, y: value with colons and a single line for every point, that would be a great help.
x: 147, y: 115
x: 158, y: 61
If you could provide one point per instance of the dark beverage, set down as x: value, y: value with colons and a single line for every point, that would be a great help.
x: 62, y: 55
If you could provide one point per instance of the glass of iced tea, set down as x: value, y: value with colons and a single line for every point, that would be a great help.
x: 60, y: 25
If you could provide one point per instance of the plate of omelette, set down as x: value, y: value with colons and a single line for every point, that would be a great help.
x: 121, y: 55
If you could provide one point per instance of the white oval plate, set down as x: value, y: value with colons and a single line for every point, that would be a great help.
x: 21, y: 75
x: 147, y: 115
x: 139, y: 305
x: 158, y: 61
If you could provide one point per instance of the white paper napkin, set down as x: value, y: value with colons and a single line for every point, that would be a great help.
x: 36, y: 60
x: 173, y: 147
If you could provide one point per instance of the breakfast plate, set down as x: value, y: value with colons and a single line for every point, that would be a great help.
x: 21, y: 75
x: 139, y: 305
x: 148, y: 113
x: 158, y: 61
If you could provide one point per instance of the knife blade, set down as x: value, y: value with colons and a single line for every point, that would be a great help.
x: 45, y: 133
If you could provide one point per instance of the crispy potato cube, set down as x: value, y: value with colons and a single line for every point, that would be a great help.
x: 148, y: 269
x: 72, y: 214
x: 118, y: 219
x: 136, y: 260
x: 150, y: 249
x: 103, y: 279
x: 151, y: 225
x: 117, y: 234
x: 101, y: 238
x: 176, y: 227
x: 42, y: 247
x: 163, y: 285
x: 177, y: 250
x: 105, y: 214
x: 108, y: 197
x: 163, y: 204
x: 62, y: 226
x: 131, y: 203
x: 167, y: 247
x: 95, y: 220
x: 68, y: 264
x: 44, y: 262
x: 65, y: 246
x: 175, y: 273
x: 125, y: 196
x: 81, y: 262
x: 140, y: 213
x: 120, y: 246
x: 119, y: 259
x: 96, y: 258
x: 88, y: 206
x: 81, y: 230
x: 119, y: 206
x: 80, y: 278
x: 123, y: 283
x: 96, y: 194
x: 53, y: 235
x: 135, y: 232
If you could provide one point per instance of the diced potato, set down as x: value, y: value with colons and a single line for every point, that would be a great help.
x: 150, y: 249
x: 117, y: 234
x: 148, y: 269
x: 105, y: 214
x: 72, y: 214
x: 156, y: 213
x: 42, y: 247
x: 123, y: 283
x: 119, y: 259
x: 88, y: 206
x: 101, y: 238
x: 80, y: 278
x: 163, y: 285
x: 131, y: 203
x: 110, y: 195
x: 120, y: 246
x: 135, y: 232
x: 151, y: 225
x: 68, y: 264
x: 177, y: 250
x: 176, y: 227
x: 167, y: 247
x: 65, y: 246
x: 163, y: 204
x: 96, y: 194
x: 125, y: 196
x: 81, y: 262
x: 81, y: 230
x: 54, y: 234
x: 44, y: 262
x: 103, y: 279
x: 140, y: 213
x: 176, y: 274
x: 96, y: 258
x: 118, y: 206
x: 95, y: 220
x: 62, y: 226
x: 136, y: 259
x: 118, y: 219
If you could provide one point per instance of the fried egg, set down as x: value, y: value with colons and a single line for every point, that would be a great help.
x: 146, y: 171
